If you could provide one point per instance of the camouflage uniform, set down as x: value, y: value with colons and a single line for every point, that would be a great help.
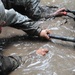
x: 27, y: 7
x: 30, y: 8
x: 8, y: 64
x: 16, y: 20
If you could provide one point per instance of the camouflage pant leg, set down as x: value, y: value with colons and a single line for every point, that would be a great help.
x: 8, y: 64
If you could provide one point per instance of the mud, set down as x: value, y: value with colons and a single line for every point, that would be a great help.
x: 61, y: 57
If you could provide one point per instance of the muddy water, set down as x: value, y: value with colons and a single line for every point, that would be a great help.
x: 61, y: 57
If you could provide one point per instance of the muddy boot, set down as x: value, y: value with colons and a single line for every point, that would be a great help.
x: 8, y: 64
x: 15, y: 61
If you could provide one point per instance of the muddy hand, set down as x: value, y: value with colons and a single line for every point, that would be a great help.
x: 44, y: 34
x: 60, y: 12
x: 42, y: 52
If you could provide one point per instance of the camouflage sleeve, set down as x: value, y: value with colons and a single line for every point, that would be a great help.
x: 27, y: 25
x: 34, y: 10
x: 16, y: 20
x: 27, y: 7
x: 30, y: 8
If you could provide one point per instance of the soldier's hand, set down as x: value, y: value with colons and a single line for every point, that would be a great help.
x: 59, y: 12
x: 42, y: 52
x: 44, y: 34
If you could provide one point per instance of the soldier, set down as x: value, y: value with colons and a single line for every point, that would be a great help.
x: 14, y: 19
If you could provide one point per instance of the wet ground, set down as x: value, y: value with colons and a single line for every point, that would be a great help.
x: 61, y: 57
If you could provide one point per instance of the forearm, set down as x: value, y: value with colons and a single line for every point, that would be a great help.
x: 31, y: 28
x: 40, y: 12
x: 26, y: 24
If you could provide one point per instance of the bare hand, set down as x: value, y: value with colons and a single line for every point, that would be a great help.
x: 42, y: 52
x: 44, y: 33
x: 59, y: 12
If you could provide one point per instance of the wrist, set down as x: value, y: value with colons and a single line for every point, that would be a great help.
x: 39, y: 31
x: 53, y: 14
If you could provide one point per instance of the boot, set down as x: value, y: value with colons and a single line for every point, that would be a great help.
x: 15, y: 61
x: 8, y: 64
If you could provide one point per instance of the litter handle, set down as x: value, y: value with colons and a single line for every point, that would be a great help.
x: 70, y: 39
x: 71, y: 11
